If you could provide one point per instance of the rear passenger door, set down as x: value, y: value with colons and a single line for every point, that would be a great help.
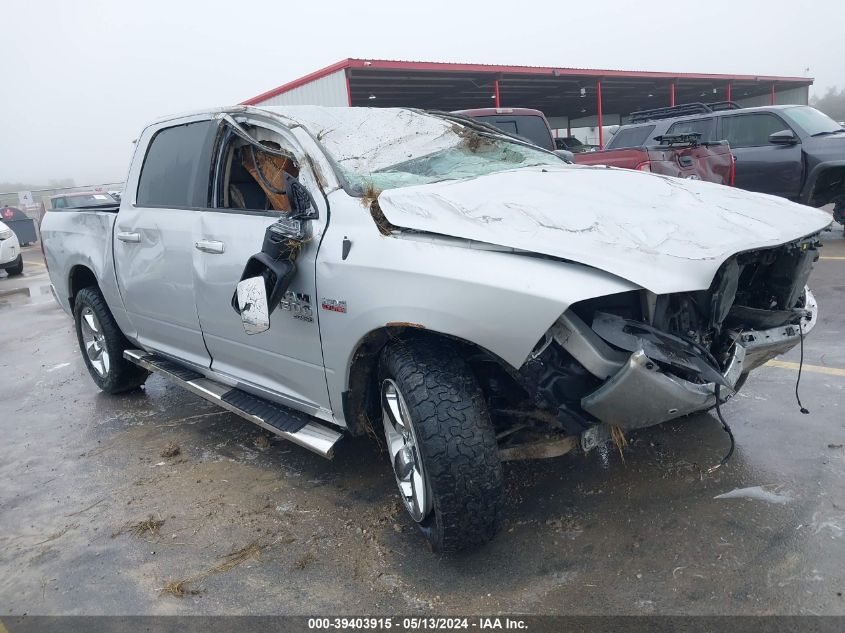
x: 155, y: 235
x: 760, y: 165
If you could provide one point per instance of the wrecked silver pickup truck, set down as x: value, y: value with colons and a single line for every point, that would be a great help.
x: 467, y: 296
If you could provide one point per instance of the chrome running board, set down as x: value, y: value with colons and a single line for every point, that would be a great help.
x: 292, y: 425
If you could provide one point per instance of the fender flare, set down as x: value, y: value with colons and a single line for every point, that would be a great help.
x: 813, y: 176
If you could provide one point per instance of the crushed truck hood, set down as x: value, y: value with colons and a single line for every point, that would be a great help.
x: 664, y: 234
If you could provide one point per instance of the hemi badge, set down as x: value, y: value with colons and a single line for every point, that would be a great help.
x: 333, y: 305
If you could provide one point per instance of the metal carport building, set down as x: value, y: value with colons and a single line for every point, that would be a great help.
x: 570, y: 97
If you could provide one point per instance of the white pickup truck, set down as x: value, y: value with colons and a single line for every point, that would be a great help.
x: 322, y: 271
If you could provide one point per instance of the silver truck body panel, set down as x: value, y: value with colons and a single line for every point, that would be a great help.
x: 495, y: 299
x: 83, y: 238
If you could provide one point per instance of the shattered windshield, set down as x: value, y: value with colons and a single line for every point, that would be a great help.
x: 385, y: 148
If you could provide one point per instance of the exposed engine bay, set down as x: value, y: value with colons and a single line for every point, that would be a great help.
x: 636, y: 359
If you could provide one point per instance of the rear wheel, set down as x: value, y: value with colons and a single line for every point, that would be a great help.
x: 102, y: 344
x: 17, y: 268
x: 441, y: 444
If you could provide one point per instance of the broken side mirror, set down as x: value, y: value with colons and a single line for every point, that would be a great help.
x: 302, y: 205
x: 252, y: 304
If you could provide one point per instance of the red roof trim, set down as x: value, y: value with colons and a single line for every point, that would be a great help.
x: 384, y: 64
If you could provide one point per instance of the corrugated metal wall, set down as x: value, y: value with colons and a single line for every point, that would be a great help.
x: 326, y: 91
x: 790, y: 96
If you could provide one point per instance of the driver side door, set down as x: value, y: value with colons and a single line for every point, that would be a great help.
x: 284, y: 363
x: 760, y: 165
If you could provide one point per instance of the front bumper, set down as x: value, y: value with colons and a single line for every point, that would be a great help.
x: 640, y: 394
x: 9, y: 251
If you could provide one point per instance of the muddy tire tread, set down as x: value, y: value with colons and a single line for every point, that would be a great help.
x: 456, y: 440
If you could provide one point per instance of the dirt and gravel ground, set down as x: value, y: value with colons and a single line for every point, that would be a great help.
x: 159, y: 503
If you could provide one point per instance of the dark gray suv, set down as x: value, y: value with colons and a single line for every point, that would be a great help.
x: 792, y: 151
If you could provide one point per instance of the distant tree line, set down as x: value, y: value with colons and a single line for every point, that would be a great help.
x: 832, y: 103
x: 60, y: 183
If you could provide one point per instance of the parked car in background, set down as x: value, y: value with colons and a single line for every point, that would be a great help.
x: 792, y: 151
x: 79, y: 199
x: 20, y: 223
x: 523, y: 122
x: 11, y: 259
x: 327, y: 270
x: 679, y: 155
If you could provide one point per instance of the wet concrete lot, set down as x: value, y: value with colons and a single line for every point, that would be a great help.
x: 97, y: 516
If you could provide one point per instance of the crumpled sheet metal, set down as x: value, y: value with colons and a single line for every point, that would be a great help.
x: 641, y: 395
x: 664, y: 234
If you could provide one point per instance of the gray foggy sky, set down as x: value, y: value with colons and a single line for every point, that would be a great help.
x: 80, y: 79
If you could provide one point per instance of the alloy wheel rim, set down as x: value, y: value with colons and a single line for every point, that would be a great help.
x: 404, y: 453
x: 94, y: 342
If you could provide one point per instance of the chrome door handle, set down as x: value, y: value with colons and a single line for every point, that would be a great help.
x: 123, y: 236
x: 210, y: 246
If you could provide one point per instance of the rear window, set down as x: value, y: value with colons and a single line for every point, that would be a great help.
x: 694, y: 126
x: 176, y: 169
x: 531, y: 128
x: 89, y: 200
x: 631, y: 137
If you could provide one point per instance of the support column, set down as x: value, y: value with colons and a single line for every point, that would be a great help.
x: 348, y: 88
x: 773, y: 95
x: 672, y: 94
x: 728, y: 92
x: 598, y: 105
x: 496, y: 92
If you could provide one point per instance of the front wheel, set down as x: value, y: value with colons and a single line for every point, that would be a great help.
x: 441, y: 444
x: 17, y: 268
x: 102, y: 344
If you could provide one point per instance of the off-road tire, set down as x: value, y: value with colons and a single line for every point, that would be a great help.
x: 122, y: 375
x: 17, y: 269
x: 456, y: 441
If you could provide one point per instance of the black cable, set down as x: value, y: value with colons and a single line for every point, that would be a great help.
x: 725, y: 425
x: 727, y: 430
x: 800, y: 366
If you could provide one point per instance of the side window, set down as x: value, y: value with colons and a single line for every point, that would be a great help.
x: 631, y: 137
x: 252, y: 178
x: 176, y: 168
x: 751, y: 130
x: 59, y: 203
x: 694, y: 126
